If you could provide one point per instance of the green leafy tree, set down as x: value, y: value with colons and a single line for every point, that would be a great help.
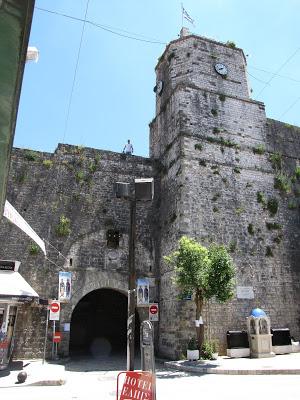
x: 205, y: 273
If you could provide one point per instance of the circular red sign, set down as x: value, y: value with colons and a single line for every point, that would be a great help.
x: 153, y: 309
x: 54, y: 307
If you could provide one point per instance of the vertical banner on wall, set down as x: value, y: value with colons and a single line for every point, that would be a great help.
x: 64, y: 286
x: 142, y: 292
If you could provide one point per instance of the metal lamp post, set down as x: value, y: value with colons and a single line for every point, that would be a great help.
x: 144, y: 190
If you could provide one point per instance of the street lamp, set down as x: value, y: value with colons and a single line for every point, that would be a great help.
x: 143, y: 191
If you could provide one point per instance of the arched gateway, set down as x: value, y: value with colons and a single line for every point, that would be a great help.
x: 99, y: 324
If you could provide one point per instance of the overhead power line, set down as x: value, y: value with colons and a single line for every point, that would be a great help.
x: 279, y: 69
x: 272, y: 73
x: 75, y: 72
x: 290, y: 107
x: 259, y: 80
x: 107, y: 28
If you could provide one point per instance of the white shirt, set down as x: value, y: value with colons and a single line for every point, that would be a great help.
x: 128, y: 148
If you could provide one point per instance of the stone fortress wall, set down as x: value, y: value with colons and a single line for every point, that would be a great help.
x: 77, y: 183
x: 223, y: 173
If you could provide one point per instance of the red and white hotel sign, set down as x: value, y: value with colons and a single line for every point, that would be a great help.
x: 137, y: 385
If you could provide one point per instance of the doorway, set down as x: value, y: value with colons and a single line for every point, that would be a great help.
x: 99, y: 324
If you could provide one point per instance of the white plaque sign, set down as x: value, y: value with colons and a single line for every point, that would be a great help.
x: 244, y: 292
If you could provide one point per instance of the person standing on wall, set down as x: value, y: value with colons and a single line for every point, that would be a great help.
x: 128, y: 148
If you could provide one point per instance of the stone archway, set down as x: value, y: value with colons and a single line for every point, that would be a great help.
x: 99, y: 324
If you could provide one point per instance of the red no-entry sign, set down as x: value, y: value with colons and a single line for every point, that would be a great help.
x: 54, y: 310
x: 57, y: 337
x: 54, y: 307
x: 153, y: 312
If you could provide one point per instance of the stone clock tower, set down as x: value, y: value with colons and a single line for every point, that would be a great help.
x: 203, y: 136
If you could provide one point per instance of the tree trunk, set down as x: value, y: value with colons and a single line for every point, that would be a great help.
x: 199, y: 307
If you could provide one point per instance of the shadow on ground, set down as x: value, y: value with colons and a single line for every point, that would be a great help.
x: 116, y: 362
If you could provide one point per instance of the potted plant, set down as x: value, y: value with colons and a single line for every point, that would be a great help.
x: 192, y: 352
x: 209, y: 350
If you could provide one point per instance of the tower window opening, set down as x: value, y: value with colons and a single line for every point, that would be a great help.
x: 112, y: 239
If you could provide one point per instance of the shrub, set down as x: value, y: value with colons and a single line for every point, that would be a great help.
x: 222, y: 97
x: 202, y: 163
x: 237, y: 170
x: 292, y: 205
x: 198, y: 146
x: 282, y: 182
x: 78, y: 149
x: 297, y: 172
x: 30, y: 155
x: 276, y: 161
x: 272, y: 205
x: 214, y: 112
x: 261, y: 198
x: 272, y: 226
x: 92, y: 167
x: 79, y: 176
x: 231, y: 44
x: 269, y: 252
x: 63, y: 227
x: 260, y: 149
x: 208, y: 348
x: 222, y: 141
x: 48, y: 163
x: 34, y: 249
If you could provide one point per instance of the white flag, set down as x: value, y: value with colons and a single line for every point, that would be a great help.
x: 186, y: 15
x: 13, y: 216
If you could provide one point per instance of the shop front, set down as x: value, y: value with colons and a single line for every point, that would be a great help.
x: 14, y: 292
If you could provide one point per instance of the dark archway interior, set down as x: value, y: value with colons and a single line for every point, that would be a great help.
x: 99, y: 324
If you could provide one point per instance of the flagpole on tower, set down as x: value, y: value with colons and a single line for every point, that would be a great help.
x: 184, y: 14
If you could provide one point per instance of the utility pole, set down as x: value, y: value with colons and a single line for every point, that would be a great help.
x: 131, y: 289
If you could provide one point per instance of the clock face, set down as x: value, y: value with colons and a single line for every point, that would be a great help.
x: 159, y: 87
x: 221, y: 69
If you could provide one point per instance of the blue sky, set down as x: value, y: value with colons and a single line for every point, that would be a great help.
x: 113, y: 97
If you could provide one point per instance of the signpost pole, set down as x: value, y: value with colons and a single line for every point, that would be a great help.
x: 46, y: 334
x: 53, y: 340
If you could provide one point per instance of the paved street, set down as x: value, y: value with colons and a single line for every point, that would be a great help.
x: 84, y: 383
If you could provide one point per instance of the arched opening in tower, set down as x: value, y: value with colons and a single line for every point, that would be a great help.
x: 99, y: 325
